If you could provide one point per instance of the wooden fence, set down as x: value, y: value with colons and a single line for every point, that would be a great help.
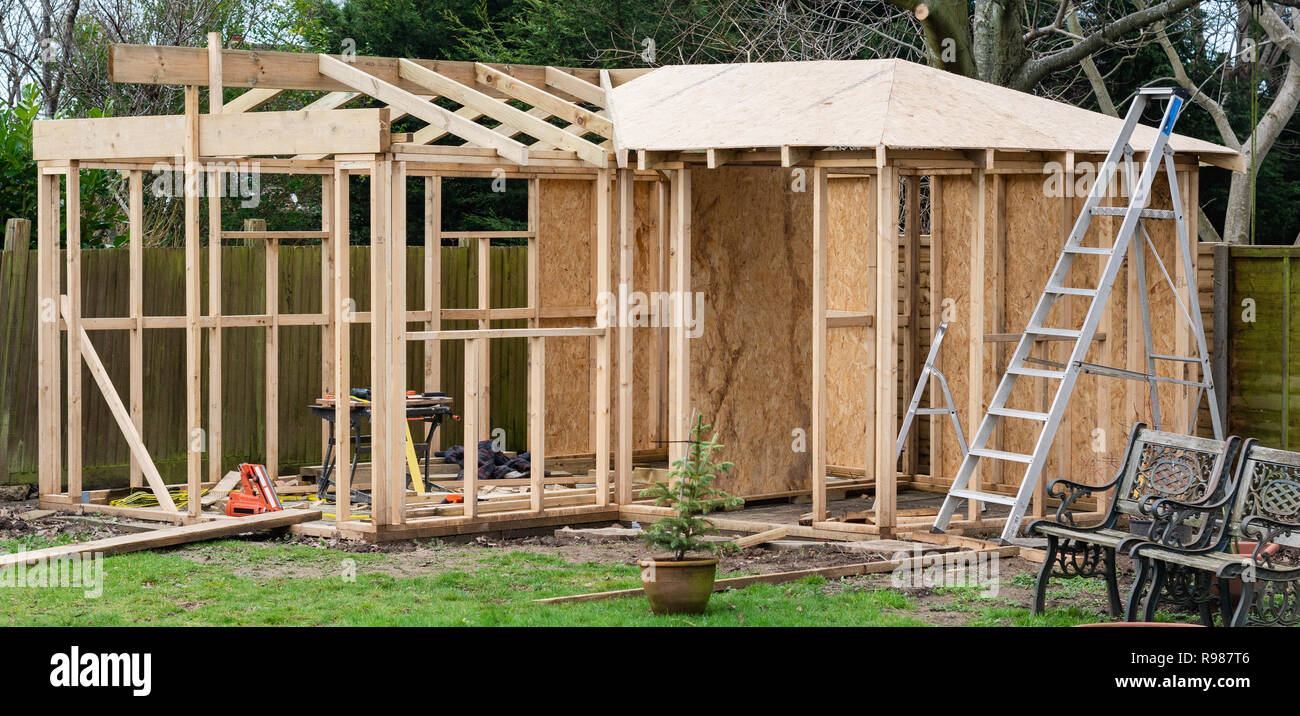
x: 104, y: 277
x: 1257, y: 326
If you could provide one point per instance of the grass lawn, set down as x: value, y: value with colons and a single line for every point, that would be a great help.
x: 237, y: 582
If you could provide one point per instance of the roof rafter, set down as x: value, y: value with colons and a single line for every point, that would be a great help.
x: 250, y: 100
x: 576, y: 86
x: 412, y: 104
x: 502, y: 112
x: 333, y: 100
x: 507, y: 84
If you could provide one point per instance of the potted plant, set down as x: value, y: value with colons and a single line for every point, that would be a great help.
x: 674, y: 583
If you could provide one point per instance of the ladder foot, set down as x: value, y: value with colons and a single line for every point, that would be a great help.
x: 936, y: 530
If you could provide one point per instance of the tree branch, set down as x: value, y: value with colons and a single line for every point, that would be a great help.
x: 1033, y: 71
x: 1282, y: 108
x: 1214, y: 109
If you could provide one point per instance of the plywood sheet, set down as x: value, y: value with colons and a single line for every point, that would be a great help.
x: 954, y: 202
x: 566, y: 227
x: 751, y: 366
x: 1090, y: 442
x: 856, y: 103
x: 851, y: 286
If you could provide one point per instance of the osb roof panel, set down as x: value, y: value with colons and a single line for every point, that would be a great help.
x: 854, y: 103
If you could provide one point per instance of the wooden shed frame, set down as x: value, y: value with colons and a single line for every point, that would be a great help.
x: 335, y: 143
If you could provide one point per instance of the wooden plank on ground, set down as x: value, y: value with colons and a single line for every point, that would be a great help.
x: 845, y: 570
x: 766, y: 536
x: 166, y: 537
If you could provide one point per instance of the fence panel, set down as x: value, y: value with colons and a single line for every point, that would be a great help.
x: 105, y: 287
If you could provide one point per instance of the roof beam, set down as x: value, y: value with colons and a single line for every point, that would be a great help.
x: 581, y: 88
x: 162, y: 65
x: 404, y: 101
x: 502, y: 112
x: 790, y: 156
x: 250, y: 100
x: 506, y: 84
x: 718, y: 157
x: 647, y: 160
x: 346, y: 131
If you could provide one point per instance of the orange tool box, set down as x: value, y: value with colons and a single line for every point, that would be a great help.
x: 256, y: 494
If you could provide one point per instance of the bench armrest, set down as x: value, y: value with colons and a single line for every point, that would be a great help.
x: 1069, y: 492
x: 1169, y: 517
x: 1264, y: 531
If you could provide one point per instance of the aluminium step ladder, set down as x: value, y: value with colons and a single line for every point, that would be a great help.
x: 1058, y: 286
x: 914, y: 409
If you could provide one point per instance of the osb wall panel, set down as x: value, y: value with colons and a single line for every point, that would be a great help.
x: 1090, y: 442
x: 566, y: 239
x: 567, y: 244
x: 751, y: 367
x: 953, y: 201
x: 1035, y: 228
x: 850, y: 354
x: 1175, y: 401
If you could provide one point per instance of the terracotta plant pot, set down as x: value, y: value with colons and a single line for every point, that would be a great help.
x: 1247, y: 548
x: 678, y: 586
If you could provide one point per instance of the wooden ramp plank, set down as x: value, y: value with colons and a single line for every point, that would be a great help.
x: 166, y: 537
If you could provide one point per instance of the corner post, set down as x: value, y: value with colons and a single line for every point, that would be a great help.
x: 886, y: 340
x: 49, y: 409
x: 679, y: 353
x: 817, y: 439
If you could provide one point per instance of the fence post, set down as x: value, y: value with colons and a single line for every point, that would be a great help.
x: 18, y: 235
x: 13, y: 286
x: 1219, y: 353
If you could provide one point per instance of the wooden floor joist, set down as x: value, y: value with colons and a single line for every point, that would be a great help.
x: 165, y: 537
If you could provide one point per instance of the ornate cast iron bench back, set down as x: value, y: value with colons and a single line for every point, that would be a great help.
x: 1158, y: 466
x: 1265, y: 511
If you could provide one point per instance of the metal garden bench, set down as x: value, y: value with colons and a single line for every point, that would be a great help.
x: 1265, y: 509
x: 1157, y: 465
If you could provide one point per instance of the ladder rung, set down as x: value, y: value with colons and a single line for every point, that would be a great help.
x: 1035, y: 372
x: 984, y: 496
x: 933, y: 411
x: 1087, y: 250
x: 1002, y: 455
x: 1023, y: 414
x: 1045, y: 331
x: 1122, y: 210
x: 1069, y: 291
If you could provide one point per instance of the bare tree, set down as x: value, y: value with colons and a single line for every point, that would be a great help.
x: 1276, y: 66
x: 1015, y: 43
x: 761, y: 31
x: 33, y: 41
